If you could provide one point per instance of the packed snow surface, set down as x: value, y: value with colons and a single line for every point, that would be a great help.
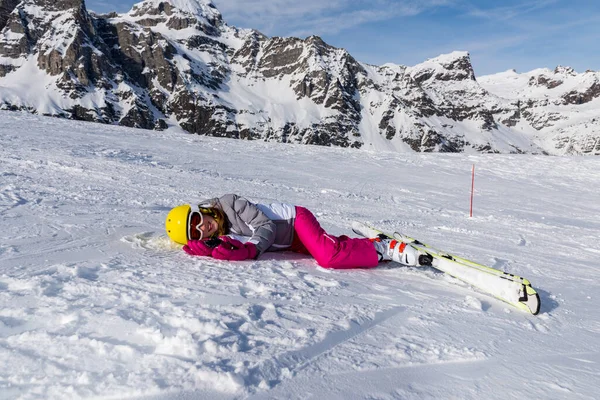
x: 95, y: 302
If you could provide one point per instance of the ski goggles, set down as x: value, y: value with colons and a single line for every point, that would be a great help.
x: 195, y: 221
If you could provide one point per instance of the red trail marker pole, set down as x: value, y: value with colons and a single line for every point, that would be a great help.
x: 472, y: 190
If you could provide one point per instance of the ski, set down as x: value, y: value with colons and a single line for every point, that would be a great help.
x: 510, y: 288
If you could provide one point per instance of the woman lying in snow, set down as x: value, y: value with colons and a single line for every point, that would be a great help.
x: 213, y: 230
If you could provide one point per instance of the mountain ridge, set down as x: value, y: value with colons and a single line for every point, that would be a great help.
x: 178, y: 62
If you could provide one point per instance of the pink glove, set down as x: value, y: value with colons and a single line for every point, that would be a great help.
x: 234, y: 250
x: 198, y: 248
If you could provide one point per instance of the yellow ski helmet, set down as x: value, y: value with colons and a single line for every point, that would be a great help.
x: 177, y: 223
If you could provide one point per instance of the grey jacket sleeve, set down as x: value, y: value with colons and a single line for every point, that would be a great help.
x: 246, y: 219
x: 263, y: 229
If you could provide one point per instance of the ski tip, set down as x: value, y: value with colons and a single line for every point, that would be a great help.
x: 532, y: 301
x: 536, y: 304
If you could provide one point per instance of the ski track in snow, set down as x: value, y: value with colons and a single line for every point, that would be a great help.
x: 96, y: 303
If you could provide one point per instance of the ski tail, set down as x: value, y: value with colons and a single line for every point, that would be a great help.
x: 510, y: 288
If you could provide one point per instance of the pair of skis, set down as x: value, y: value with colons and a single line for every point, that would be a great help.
x: 510, y: 288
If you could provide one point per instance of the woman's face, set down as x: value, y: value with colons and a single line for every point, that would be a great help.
x: 202, y: 226
x: 209, y: 226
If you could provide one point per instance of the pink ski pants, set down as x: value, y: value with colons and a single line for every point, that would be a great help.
x: 330, y: 251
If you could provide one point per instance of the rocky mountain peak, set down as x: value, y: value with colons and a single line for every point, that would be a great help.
x: 317, y: 42
x: 54, y: 30
x: 60, y: 5
x: 198, y: 8
x: 455, y: 66
x: 564, y: 71
x: 178, y: 14
x: 458, y: 64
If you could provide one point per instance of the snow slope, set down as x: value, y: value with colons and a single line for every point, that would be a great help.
x: 94, y: 303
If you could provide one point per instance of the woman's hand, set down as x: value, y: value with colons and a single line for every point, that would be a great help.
x: 198, y: 248
x: 234, y: 250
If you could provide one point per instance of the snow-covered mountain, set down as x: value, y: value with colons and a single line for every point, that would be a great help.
x: 176, y: 62
x: 560, y: 107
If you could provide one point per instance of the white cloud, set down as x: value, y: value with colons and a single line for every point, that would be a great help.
x: 509, y: 12
x: 292, y: 17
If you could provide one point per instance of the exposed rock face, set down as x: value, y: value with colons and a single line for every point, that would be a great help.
x: 178, y: 61
x: 6, y: 7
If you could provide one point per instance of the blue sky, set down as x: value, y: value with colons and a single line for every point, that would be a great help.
x: 499, y: 35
